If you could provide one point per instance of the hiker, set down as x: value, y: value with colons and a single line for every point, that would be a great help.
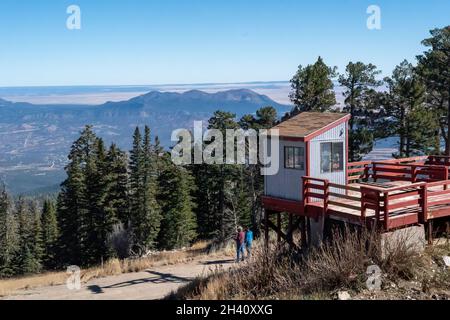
x: 240, y: 243
x: 248, y: 241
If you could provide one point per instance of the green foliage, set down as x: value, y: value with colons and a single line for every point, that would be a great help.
x: 8, y: 235
x: 145, y: 217
x: 359, y: 81
x: 312, y: 88
x: 434, y: 69
x: 408, y: 117
x: 49, y: 234
x: 178, y: 226
x: 29, y: 254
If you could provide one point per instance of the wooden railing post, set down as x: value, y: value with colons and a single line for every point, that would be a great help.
x: 326, y: 191
x: 366, y: 173
x: 424, y: 203
x: 374, y: 171
x: 413, y: 174
x: 386, y: 210
x: 445, y: 176
x: 363, y: 203
x: 305, y: 191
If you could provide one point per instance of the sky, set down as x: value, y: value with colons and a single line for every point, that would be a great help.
x: 142, y: 42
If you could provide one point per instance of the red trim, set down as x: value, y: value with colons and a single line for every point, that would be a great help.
x: 307, y: 164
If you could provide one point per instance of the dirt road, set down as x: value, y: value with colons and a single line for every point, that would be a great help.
x: 154, y: 283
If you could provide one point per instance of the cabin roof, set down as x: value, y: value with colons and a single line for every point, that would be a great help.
x: 307, y: 125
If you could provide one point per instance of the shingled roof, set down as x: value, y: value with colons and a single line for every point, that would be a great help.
x: 307, y: 125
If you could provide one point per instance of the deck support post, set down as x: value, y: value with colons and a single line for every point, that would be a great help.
x: 303, y: 232
x: 424, y: 204
x: 266, y: 228
x: 430, y: 232
x: 291, y: 228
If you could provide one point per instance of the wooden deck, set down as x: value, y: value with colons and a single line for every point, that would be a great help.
x: 390, y: 194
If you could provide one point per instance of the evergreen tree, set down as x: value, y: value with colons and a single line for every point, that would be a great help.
x: 251, y: 180
x: 49, y: 234
x: 178, y: 226
x: 359, y: 81
x: 118, y: 193
x: 78, y: 203
x: 434, y: 68
x: 145, y: 214
x: 71, y: 208
x: 28, y: 255
x: 408, y: 118
x: 312, y: 88
x: 8, y: 235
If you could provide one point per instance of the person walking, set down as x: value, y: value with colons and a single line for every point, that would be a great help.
x: 240, y: 243
x: 248, y: 241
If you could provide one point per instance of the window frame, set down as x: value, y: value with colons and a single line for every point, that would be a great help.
x: 289, y: 162
x: 333, y: 150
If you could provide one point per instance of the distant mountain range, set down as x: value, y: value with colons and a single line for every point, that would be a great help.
x: 35, y: 139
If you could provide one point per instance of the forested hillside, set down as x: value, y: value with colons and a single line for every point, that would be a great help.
x: 115, y: 203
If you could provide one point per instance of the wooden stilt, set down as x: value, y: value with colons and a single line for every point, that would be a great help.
x: 291, y: 228
x: 266, y: 228
x: 430, y: 232
x: 303, y: 232
x: 308, y: 230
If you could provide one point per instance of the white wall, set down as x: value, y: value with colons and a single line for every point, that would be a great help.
x: 287, y: 184
x: 333, y: 135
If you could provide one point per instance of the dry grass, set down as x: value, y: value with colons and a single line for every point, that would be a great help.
x: 110, y: 268
x: 281, y: 273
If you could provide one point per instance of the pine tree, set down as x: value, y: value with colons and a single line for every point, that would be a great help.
x: 8, y: 235
x: 178, y: 226
x: 37, y: 245
x: 359, y: 81
x: 118, y: 193
x: 49, y: 234
x: 145, y: 213
x: 27, y: 259
x: 71, y: 208
x: 405, y: 107
x: 434, y: 68
x: 77, y: 203
x: 312, y: 88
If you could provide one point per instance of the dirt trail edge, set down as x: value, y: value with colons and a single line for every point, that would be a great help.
x: 154, y: 283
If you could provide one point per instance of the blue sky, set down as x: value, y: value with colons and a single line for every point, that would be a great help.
x: 192, y: 41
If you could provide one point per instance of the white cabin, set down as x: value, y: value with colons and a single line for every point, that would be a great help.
x: 312, y: 144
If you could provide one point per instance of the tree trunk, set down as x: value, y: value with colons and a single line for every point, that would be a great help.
x: 401, y: 150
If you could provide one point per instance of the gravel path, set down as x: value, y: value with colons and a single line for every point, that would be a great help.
x: 154, y: 283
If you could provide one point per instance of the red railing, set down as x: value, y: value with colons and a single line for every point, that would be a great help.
x: 393, y: 207
x: 415, y: 169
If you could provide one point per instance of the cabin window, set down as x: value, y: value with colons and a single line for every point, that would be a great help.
x: 294, y: 158
x: 331, y: 157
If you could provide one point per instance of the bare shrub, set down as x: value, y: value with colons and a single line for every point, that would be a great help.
x: 119, y: 240
x: 340, y: 263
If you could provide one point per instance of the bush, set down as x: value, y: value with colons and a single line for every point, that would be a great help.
x: 341, y: 263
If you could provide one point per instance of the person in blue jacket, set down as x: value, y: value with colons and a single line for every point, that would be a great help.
x: 248, y: 241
